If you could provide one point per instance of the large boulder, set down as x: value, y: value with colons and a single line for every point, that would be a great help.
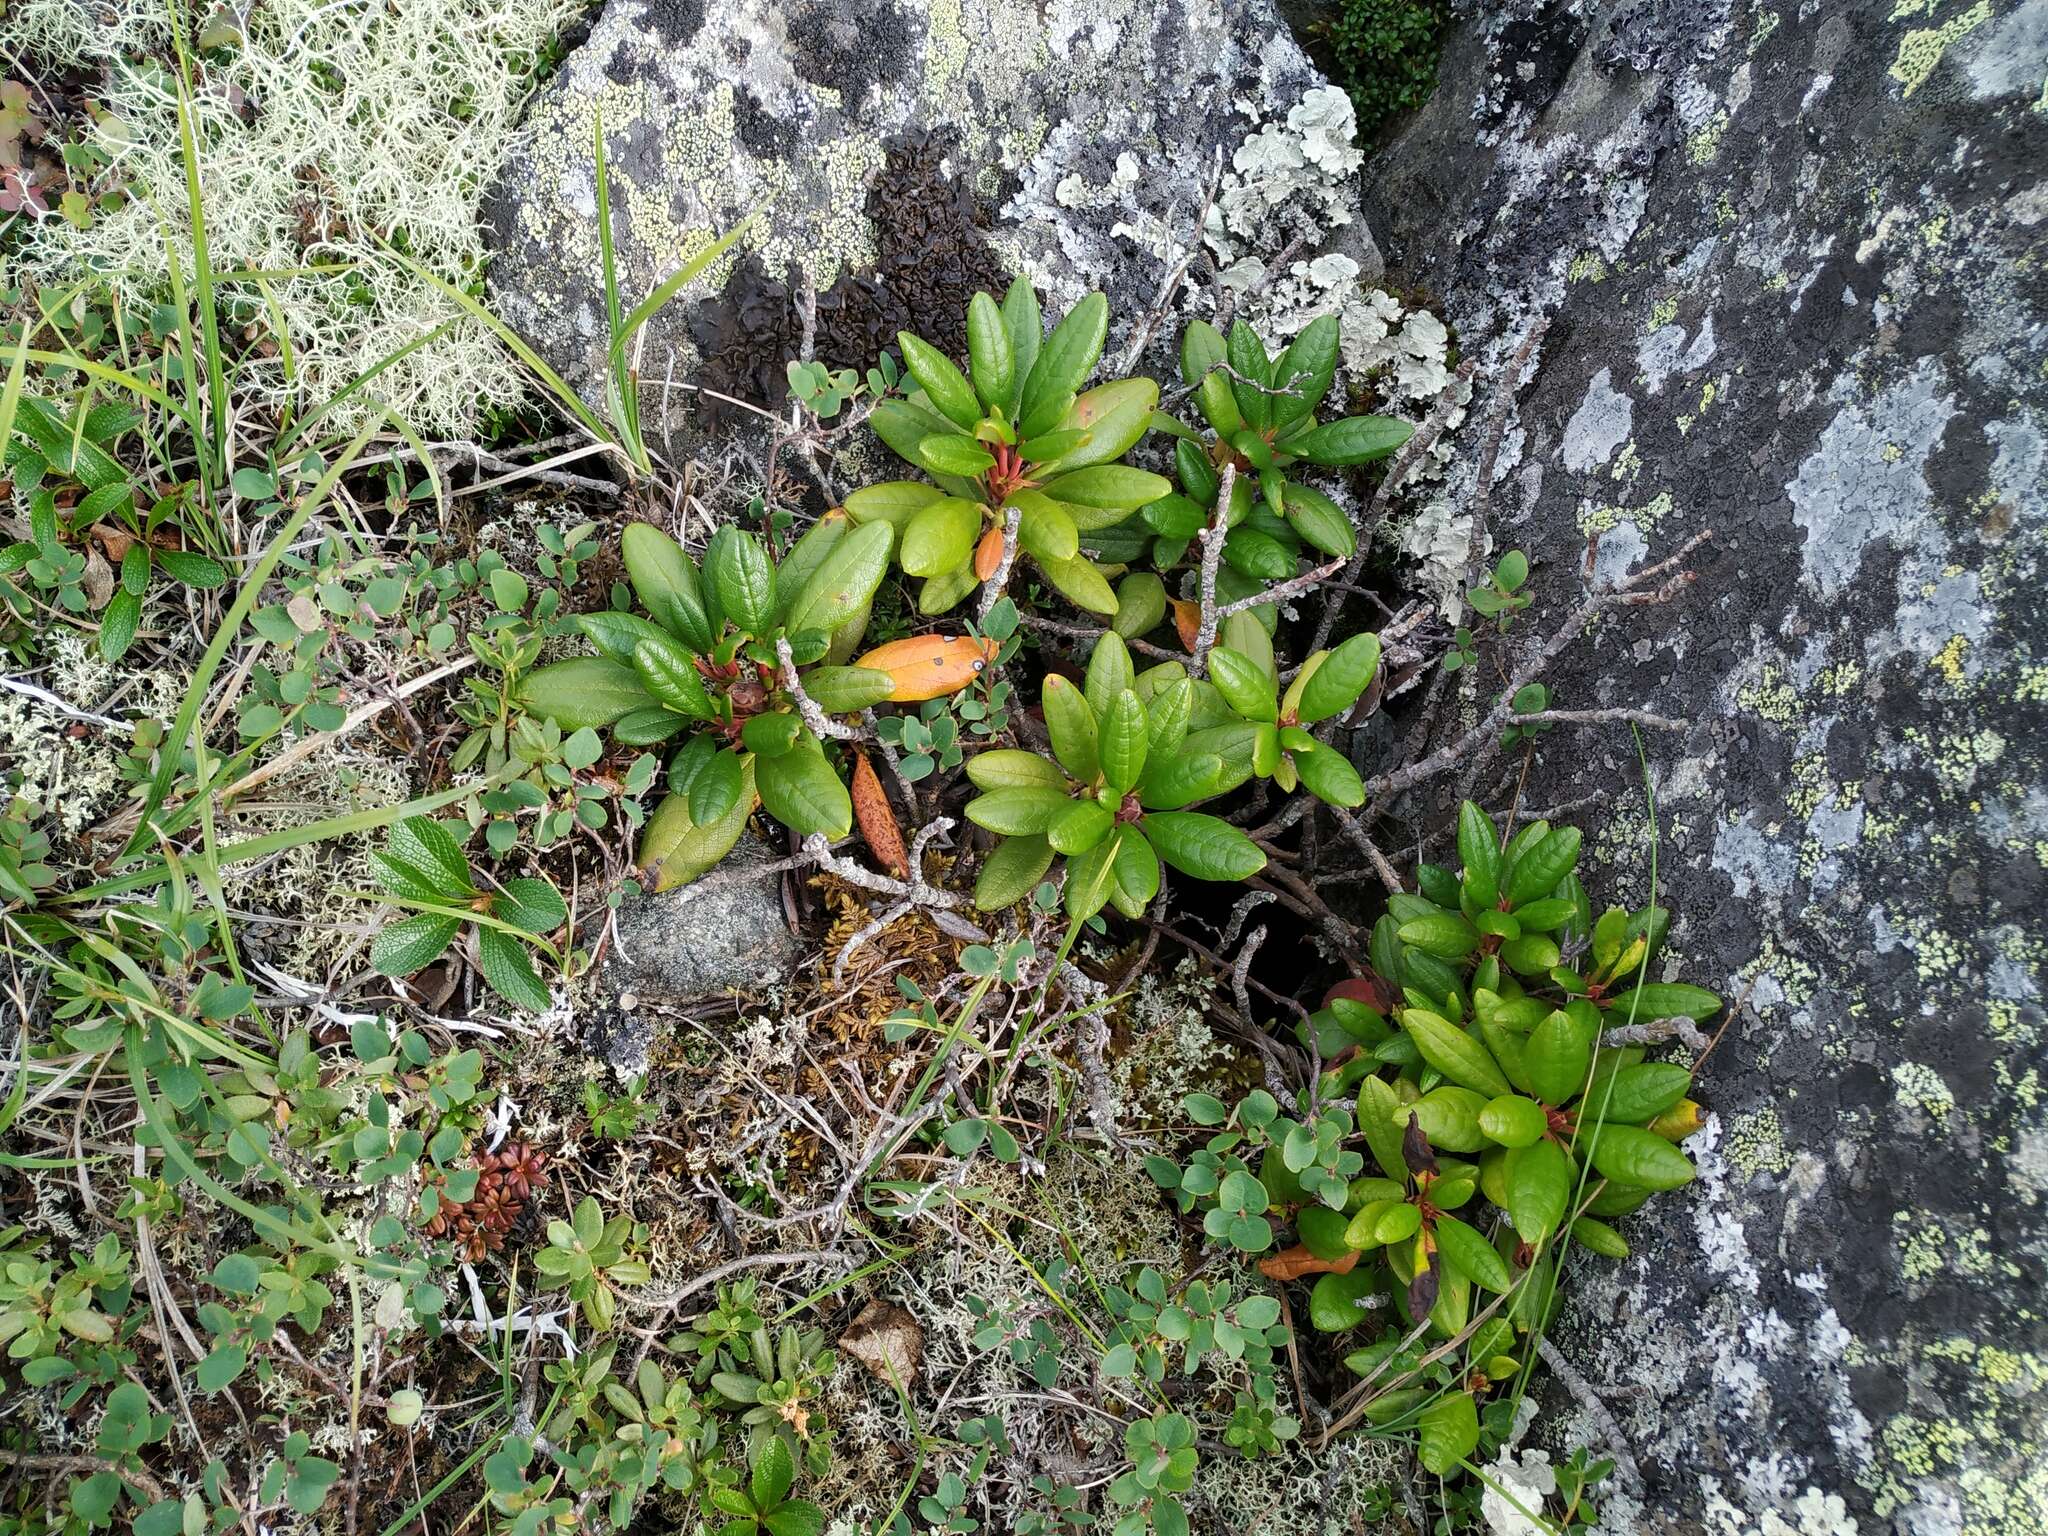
x: 1791, y: 259
x: 895, y: 156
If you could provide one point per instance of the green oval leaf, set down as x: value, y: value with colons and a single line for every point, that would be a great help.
x: 1204, y: 847
x: 584, y: 691
x: 1351, y: 440
x: 800, y: 790
x: 940, y: 538
x: 943, y: 383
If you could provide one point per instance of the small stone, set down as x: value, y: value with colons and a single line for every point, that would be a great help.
x: 706, y: 940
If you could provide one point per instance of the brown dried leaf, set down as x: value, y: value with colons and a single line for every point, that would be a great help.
x: 99, y: 579
x: 114, y: 541
x: 1187, y: 622
x: 1298, y: 1261
x: 888, y: 1341
x: 877, y: 822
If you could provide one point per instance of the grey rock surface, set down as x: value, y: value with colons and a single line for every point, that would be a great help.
x: 1791, y: 256
x: 899, y: 155
x: 706, y: 940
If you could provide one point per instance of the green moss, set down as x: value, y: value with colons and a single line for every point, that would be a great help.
x: 1384, y: 52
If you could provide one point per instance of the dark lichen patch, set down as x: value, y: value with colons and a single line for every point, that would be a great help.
x: 934, y: 255
x: 675, y: 21
x: 851, y: 50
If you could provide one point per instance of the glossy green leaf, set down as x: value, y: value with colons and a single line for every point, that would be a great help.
x: 940, y: 538
x: 615, y: 634
x: 801, y: 790
x: 1339, y: 679
x: 1072, y: 726
x: 989, y: 355
x: 1328, y: 775
x: 1336, y: 1303
x: 720, y: 786
x: 669, y: 673
x: 1448, y: 1432
x: 1081, y: 583
x: 1245, y: 685
x: 1023, y: 812
x: 1539, y: 1181
x: 844, y: 582
x: 1008, y: 768
x: 1304, y: 371
x: 1026, y: 329
x: 1117, y: 487
x: 1446, y: 935
x: 1351, y: 440
x: 942, y: 382
x: 1136, y: 867
x: 1012, y: 871
x: 1638, y: 1093
x: 1140, y: 605
x: 1556, y: 1058
x: 1045, y: 529
x: 1640, y: 1158
x: 1122, y: 738
x: 1063, y: 364
x: 675, y: 847
x: 1109, y: 672
x: 1249, y: 365
x: 584, y: 691
x: 846, y: 690
x: 1512, y: 1120
x: 894, y: 502
x: 1319, y: 520
x: 1666, y: 1000
x: 1112, y: 416
x: 1204, y: 847
x: 951, y: 453
x: 666, y: 582
x: 1078, y: 826
x: 1472, y: 1255
x: 1453, y: 1052
x: 1538, y: 870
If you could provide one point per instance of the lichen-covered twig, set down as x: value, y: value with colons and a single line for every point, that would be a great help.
x: 1093, y: 632
x: 1284, y: 591
x: 1214, y: 532
x: 822, y: 725
x: 1089, y: 999
x: 1489, y: 451
x: 1389, y: 876
x: 1419, y: 443
x: 999, y: 580
x: 1656, y: 1032
x: 905, y: 903
x: 1582, y: 1392
x: 1471, y: 749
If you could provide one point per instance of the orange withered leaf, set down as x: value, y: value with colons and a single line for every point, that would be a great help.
x: 988, y: 554
x: 1298, y: 1261
x: 930, y: 665
x: 1187, y: 622
x: 877, y: 822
